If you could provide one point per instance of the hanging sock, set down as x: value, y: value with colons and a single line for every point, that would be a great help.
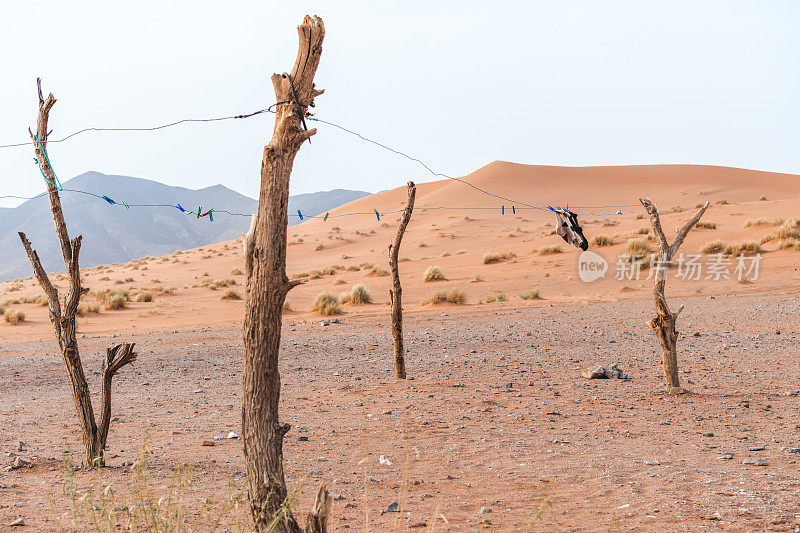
x: 569, y: 229
x: 109, y: 200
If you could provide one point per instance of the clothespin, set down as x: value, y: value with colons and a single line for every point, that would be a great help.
x: 502, y: 210
x: 126, y: 205
x: 198, y: 211
x: 377, y: 214
x: 109, y: 200
x: 326, y: 217
x: 300, y: 214
x: 619, y: 211
x: 211, y: 215
x: 513, y: 210
x: 178, y: 206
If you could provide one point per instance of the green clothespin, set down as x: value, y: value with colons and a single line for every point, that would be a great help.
x: 326, y: 217
x: 211, y: 215
x: 199, y: 209
x: 126, y: 205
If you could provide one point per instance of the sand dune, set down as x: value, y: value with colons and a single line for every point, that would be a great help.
x: 446, y: 230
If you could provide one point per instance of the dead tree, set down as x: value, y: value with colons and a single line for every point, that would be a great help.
x: 396, y: 292
x: 94, y: 436
x: 663, y: 324
x: 267, y: 287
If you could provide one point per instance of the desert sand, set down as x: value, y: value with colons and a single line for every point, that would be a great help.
x: 497, y: 415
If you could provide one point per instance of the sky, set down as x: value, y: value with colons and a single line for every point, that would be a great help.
x: 458, y: 84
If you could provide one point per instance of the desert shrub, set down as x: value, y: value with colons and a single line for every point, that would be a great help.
x: 377, y: 272
x: 231, y: 294
x: 502, y: 297
x: 490, y: 299
x: 112, y: 298
x: 39, y: 299
x: 550, y: 250
x: 722, y: 202
x: 789, y: 244
x: 85, y: 308
x: 530, y: 295
x: 762, y: 222
x: 706, y: 225
x: 491, y: 257
x: 236, y: 272
x: 476, y: 278
x: 326, y: 304
x: 602, y: 240
x: 433, y: 273
x: 357, y: 295
x: 340, y: 281
x: 445, y: 254
x: 144, y: 297
x: 453, y: 296
x: 734, y: 249
x: 636, y: 247
x: 643, y: 231
x: 790, y: 229
x: 14, y: 316
x: 287, y: 305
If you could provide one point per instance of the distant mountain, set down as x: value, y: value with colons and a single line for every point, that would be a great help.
x: 113, y: 234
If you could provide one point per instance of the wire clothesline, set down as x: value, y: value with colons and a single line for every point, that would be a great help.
x: 514, y: 203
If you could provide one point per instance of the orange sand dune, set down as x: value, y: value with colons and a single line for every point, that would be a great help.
x: 456, y: 239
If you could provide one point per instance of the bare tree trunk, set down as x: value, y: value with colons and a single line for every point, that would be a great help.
x: 94, y: 439
x: 396, y: 292
x: 267, y: 287
x: 663, y: 324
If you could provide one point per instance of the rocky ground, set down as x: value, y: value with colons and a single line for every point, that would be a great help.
x: 498, y: 430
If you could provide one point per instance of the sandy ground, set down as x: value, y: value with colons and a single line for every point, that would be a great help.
x: 497, y: 415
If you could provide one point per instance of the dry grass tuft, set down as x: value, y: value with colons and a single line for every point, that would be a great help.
x: 359, y: 294
x: 231, y: 294
x: 14, y: 316
x: 490, y: 258
x: 732, y: 249
x: 453, y: 296
x: 531, y: 295
x: 377, y: 272
x: 326, y: 304
x: 706, y: 225
x: 637, y: 247
x: 433, y: 273
x: 550, y: 250
x: 113, y: 298
x: 602, y: 240
x: 144, y: 297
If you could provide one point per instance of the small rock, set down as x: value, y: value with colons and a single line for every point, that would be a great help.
x: 18, y: 522
x: 322, y: 459
x: 232, y: 435
x: 208, y: 443
x: 302, y: 438
x: 484, y: 510
x: 384, y: 461
x: 654, y: 462
x: 755, y: 462
x: 756, y: 448
x: 596, y: 373
x: 374, y: 479
x: 794, y: 450
x: 394, y: 507
x: 725, y: 457
x: 707, y: 434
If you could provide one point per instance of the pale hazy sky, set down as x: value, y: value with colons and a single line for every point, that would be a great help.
x: 458, y: 83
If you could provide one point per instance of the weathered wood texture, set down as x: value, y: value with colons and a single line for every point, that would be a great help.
x: 63, y: 320
x: 267, y: 287
x: 396, y: 292
x: 663, y: 324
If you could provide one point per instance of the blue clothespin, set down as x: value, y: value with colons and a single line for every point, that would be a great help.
x: 513, y: 210
x: 181, y: 208
x: 300, y: 214
x: 377, y: 214
x: 109, y: 200
x: 502, y: 210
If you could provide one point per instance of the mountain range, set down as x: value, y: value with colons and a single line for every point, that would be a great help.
x: 114, y: 233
